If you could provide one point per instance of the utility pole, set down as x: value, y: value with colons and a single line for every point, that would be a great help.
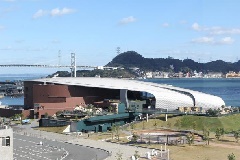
x: 73, y: 65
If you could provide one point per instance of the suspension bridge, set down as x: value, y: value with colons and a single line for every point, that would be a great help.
x: 73, y: 66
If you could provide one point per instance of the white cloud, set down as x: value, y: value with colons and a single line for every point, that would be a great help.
x: 59, y: 12
x: 211, y: 40
x: 221, y: 31
x: 127, y: 20
x: 226, y: 40
x: 206, y: 40
x: 165, y: 24
x: 215, y: 30
x: 40, y: 13
x: 196, y: 27
x: 54, y: 12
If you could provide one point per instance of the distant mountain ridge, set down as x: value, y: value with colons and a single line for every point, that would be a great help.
x: 131, y: 59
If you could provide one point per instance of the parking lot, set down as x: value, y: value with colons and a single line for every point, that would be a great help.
x: 34, y: 148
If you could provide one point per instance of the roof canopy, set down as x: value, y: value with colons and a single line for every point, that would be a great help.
x: 167, y: 96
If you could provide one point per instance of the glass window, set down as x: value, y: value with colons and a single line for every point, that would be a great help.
x: 6, y: 141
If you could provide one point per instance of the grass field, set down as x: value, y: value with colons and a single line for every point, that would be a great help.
x: 217, y: 150
x: 202, y: 152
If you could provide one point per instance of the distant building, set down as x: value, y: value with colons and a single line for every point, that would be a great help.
x: 213, y: 75
x: 232, y: 74
x: 137, y: 106
x: 6, y: 143
x: 188, y: 75
x: 180, y: 74
x: 149, y: 75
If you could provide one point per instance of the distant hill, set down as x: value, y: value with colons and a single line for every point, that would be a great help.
x: 133, y: 59
x: 123, y: 73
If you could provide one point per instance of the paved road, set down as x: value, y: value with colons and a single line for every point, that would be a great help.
x: 104, y: 150
x: 28, y: 147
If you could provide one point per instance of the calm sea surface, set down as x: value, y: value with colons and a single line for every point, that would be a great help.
x: 227, y: 89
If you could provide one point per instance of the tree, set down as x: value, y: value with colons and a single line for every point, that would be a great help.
x: 21, y: 116
x: 206, y: 136
x: 190, y: 138
x: 134, y: 138
x: 219, y: 132
x: 236, y: 135
x: 213, y: 112
x: 110, y: 109
x: 115, y: 129
x: 46, y: 115
x: 58, y: 113
x: 231, y: 157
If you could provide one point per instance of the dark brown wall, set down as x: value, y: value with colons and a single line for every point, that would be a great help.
x: 28, y: 94
x: 63, y: 97
x: 10, y: 112
x: 39, y: 93
x: 50, y: 93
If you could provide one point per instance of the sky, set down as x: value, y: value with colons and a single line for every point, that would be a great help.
x: 38, y: 31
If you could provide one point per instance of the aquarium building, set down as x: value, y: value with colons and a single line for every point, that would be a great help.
x: 49, y: 95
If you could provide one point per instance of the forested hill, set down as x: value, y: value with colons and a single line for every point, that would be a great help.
x: 131, y: 59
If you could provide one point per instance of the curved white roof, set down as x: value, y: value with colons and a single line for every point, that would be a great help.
x: 167, y: 97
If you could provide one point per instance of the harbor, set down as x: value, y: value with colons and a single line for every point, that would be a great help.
x: 11, y: 88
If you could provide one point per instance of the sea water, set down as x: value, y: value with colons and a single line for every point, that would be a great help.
x: 7, y: 100
x: 227, y: 89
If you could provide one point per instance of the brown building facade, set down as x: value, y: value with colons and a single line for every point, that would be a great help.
x: 48, y: 98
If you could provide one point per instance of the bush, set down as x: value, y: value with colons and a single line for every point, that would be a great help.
x: 231, y: 157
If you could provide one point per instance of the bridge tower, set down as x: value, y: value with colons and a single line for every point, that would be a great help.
x: 59, y: 58
x: 73, y: 65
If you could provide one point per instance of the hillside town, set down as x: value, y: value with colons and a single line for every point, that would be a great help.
x: 142, y: 74
x: 195, y: 74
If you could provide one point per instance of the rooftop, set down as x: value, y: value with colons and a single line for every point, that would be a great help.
x: 167, y: 96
